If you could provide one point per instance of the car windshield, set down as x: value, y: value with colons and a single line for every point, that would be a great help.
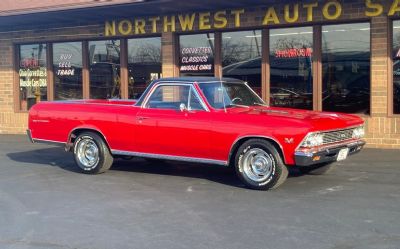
x: 222, y: 95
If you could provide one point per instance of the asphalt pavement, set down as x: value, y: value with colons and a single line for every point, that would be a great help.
x: 46, y: 203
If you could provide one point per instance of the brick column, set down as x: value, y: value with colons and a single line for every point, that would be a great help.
x: 169, y: 43
x: 10, y: 121
x: 379, y: 66
x: 382, y: 130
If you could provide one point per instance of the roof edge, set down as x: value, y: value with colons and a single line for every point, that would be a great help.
x: 64, y: 7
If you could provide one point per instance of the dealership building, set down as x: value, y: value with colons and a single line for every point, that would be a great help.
x: 324, y: 55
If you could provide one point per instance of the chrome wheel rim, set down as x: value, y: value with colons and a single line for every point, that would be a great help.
x: 257, y: 164
x: 88, y: 153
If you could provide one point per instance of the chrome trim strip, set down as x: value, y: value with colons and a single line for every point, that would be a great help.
x: 169, y: 157
x: 257, y: 136
x: 341, y: 129
x: 259, y: 98
x: 45, y: 141
x: 187, y: 81
x: 302, y: 153
x: 325, y: 131
x: 309, y: 151
x: 105, y: 104
x: 199, y: 98
x: 74, y: 102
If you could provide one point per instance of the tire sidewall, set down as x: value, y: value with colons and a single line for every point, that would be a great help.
x: 97, y: 140
x: 271, y: 152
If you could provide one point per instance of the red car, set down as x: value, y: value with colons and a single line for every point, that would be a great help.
x: 205, y: 120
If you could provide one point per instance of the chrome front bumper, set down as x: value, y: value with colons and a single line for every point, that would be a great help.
x: 326, y: 154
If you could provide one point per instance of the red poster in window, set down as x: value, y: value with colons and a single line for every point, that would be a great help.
x: 293, y: 53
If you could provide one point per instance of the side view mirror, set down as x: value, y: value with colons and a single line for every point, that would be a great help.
x: 182, y: 107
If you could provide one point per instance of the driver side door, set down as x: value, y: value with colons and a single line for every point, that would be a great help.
x: 165, y: 128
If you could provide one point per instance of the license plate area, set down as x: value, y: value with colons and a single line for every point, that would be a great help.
x: 342, y: 154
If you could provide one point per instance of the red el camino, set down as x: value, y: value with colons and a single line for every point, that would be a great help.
x: 205, y: 120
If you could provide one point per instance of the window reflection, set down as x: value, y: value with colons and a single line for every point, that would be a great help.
x: 241, y: 57
x: 144, y: 64
x: 169, y: 97
x: 196, y: 55
x: 67, y: 68
x: 32, y: 75
x: 104, y: 59
x: 291, y: 67
x: 396, y: 67
x: 346, y: 68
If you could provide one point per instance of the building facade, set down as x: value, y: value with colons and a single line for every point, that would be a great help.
x: 340, y: 56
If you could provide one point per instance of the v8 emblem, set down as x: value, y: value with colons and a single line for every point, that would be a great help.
x: 289, y: 140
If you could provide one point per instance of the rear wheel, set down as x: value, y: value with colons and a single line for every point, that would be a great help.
x: 319, y: 169
x: 91, y: 153
x: 259, y: 165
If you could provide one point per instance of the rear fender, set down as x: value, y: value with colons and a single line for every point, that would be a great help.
x: 75, y: 132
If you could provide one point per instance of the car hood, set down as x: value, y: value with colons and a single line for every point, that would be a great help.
x: 314, y: 120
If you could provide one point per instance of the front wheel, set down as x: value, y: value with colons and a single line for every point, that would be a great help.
x: 91, y: 153
x: 259, y: 165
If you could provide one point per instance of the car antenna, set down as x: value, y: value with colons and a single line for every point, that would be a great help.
x: 222, y: 92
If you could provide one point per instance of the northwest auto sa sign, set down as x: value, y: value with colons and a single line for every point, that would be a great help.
x: 289, y: 13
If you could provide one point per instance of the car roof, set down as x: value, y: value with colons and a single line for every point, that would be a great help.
x: 198, y: 79
x: 188, y: 80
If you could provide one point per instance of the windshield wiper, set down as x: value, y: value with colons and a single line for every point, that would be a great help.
x: 236, y: 105
x: 260, y: 104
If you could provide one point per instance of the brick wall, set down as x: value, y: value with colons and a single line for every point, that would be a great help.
x: 383, y: 130
x: 10, y: 122
x: 168, y: 46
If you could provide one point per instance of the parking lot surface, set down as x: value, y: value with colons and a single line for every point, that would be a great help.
x: 46, y: 203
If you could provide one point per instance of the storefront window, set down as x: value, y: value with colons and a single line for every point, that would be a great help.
x: 105, y: 81
x: 346, y: 68
x: 32, y: 75
x: 67, y: 68
x: 291, y: 52
x: 396, y: 67
x: 144, y: 64
x: 196, y: 55
x: 241, y: 57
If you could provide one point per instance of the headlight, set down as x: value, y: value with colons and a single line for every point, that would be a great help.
x: 313, y: 139
x: 358, y: 132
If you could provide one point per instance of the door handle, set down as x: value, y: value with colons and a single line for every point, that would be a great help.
x: 140, y: 118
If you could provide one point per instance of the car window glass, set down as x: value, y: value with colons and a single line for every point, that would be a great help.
x: 169, y: 97
x: 194, y: 102
x: 226, y: 94
x: 214, y: 94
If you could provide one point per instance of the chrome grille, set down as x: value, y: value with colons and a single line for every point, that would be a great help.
x: 337, y: 136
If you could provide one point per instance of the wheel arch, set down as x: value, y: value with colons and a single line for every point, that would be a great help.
x: 239, y: 141
x: 73, y: 134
